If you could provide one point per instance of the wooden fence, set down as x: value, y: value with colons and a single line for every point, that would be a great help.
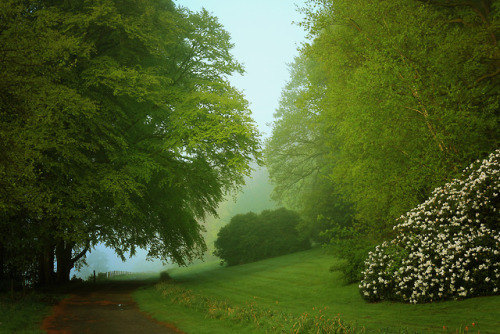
x: 114, y: 273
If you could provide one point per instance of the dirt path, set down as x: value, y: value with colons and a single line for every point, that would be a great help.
x: 107, y: 308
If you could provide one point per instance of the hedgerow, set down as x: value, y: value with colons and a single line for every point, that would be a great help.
x: 446, y: 248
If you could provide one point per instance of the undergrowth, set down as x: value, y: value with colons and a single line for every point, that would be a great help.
x: 23, y: 313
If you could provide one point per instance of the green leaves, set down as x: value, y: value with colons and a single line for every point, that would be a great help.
x: 388, y: 101
x: 251, y: 237
x: 118, y: 124
x: 447, y: 247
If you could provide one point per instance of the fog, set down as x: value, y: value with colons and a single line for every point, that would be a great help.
x: 103, y: 259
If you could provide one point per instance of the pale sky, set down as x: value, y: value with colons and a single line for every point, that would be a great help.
x: 265, y: 42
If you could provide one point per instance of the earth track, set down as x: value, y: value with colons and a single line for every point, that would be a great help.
x: 103, y: 308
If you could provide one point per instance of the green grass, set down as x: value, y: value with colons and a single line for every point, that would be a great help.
x: 25, y: 313
x: 297, y: 283
x: 187, y: 319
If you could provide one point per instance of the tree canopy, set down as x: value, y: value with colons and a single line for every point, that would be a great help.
x: 388, y: 101
x: 117, y: 125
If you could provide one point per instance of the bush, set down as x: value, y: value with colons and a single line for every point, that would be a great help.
x: 348, y: 245
x: 251, y: 237
x: 447, y: 247
x: 164, y: 276
x: 351, y: 263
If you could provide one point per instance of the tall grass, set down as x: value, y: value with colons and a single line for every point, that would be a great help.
x: 23, y: 313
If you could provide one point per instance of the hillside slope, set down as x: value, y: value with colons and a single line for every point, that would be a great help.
x: 301, y: 283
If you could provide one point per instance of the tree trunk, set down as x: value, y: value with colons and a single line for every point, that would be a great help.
x: 2, y: 272
x: 64, y: 263
x: 47, y: 274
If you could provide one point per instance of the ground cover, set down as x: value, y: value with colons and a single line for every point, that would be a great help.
x: 23, y: 313
x: 301, y: 285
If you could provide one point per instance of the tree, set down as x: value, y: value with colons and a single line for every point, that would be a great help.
x: 396, y: 99
x: 296, y: 153
x: 127, y: 130
x: 35, y: 58
x: 407, y: 98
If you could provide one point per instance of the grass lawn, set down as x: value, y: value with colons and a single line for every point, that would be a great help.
x: 301, y: 283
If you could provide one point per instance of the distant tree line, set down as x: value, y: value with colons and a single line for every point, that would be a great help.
x: 251, y: 237
x: 117, y: 126
x: 387, y: 101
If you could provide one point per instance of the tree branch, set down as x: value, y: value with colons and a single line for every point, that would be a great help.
x: 486, y: 76
x: 80, y: 255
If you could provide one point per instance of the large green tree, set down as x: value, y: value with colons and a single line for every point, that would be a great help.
x: 118, y: 125
x: 411, y: 100
x: 298, y: 152
x: 409, y: 95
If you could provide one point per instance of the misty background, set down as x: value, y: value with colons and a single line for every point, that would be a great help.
x: 254, y: 196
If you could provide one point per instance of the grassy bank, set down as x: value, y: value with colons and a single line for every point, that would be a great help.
x: 296, y: 286
x: 20, y: 313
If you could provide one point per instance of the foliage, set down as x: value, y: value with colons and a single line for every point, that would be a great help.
x: 117, y: 125
x: 295, y: 153
x: 251, y: 237
x: 447, y: 247
x: 388, y: 100
x: 347, y: 244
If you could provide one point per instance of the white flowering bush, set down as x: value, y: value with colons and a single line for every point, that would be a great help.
x: 447, y: 247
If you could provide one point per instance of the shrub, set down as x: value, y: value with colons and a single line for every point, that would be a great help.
x: 446, y: 248
x: 351, y: 264
x: 251, y: 237
x: 349, y: 246
x: 164, y: 276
